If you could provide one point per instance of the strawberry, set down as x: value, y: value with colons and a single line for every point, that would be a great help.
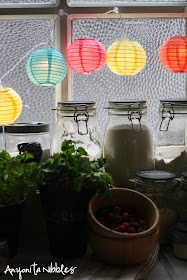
x: 131, y: 230
x: 125, y: 216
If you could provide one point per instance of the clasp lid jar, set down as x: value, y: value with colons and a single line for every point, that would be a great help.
x: 171, y: 138
x: 128, y: 143
x: 32, y: 137
x: 160, y: 186
x: 77, y: 122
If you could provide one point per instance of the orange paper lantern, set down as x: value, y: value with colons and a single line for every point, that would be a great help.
x: 173, y: 54
x: 86, y: 56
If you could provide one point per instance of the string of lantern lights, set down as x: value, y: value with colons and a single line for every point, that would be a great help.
x: 47, y: 67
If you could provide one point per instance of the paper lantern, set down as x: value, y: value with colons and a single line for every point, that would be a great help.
x: 126, y: 58
x: 86, y: 56
x: 10, y: 106
x: 173, y: 54
x: 46, y: 67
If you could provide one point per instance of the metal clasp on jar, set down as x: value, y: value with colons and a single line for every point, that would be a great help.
x: 81, y: 115
x: 135, y: 115
x: 166, y: 115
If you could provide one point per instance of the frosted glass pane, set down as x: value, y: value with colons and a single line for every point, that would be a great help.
x: 17, y: 37
x: 152, y: 83
x: 28, y: 3
x: 102, y: 3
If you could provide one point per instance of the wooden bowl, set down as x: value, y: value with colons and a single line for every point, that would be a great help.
x: 123, y: 248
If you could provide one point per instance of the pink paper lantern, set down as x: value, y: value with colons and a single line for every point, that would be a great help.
x: 86, y: 56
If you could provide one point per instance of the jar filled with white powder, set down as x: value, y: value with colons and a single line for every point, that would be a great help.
x: 32, y: 137
x: 161, y: 188
x: 171, y: 138
x: 128, y: 144
x: 77, y: 122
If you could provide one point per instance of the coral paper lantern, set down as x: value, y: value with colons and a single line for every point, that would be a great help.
x: 173, y: 54
x: 46, y: 67
x: 10, y: 106
x: 126, y: 58
x: 86, y: 56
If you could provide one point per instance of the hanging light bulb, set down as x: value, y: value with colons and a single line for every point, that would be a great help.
x: 126, y: 58
x: 173, y: 54
x: 86, y: 56
x: 10, y: 106
x: 46, y: 67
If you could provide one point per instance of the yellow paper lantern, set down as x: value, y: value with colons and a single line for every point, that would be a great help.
x: 126, y: 58
x: 10, y: 106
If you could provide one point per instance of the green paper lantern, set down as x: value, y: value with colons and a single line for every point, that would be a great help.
x: 46, y: 67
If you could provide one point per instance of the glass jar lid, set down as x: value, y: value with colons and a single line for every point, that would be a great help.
x: 30, y: 127
x: 125, y: 104
x: 173, y: 102
x: 72, y: 105
x: 155, y: 176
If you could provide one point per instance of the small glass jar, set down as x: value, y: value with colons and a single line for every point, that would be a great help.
x: 128, y: 143
x: 161, y: 188
x: 3, y: 255
x: 182, y: 198
x: 171, y: 138
x: 77, y: 122
x: 179, y: 240
x: 31, y: 137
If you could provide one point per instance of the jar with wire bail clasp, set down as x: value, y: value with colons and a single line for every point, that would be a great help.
x: 76, y: 121
x: 171, y: 136
x: 128, y: 143
x: 161, y: 188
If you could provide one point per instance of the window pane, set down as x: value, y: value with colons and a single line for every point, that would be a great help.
x: 17, y: 37
x: 102, y: 3
x: 28, y: 3
x: 153, y: 83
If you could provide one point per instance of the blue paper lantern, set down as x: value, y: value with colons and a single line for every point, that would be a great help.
x: 46, y: 67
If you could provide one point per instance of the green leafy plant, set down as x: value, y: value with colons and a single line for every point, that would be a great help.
x: 16, y: 178
x: 69, y: 170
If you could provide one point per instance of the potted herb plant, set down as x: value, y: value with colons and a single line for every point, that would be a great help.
x: 67, y: 182
x: 16, y: 183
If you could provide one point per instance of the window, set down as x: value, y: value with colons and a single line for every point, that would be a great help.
x: 122, y: 3
x: 28, y: 3
x: 17, y: 37
x: 153, y: 83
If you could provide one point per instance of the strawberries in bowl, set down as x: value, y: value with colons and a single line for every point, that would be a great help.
x: 121, y: 219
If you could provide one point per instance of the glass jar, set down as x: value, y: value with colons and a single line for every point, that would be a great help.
x: 161, y: 188
x: 182, y: 198
x: 171, y: 138
x: 179, y: 240
x: 77, y: 122
x: 31, y: 137
x: 128, y: 143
